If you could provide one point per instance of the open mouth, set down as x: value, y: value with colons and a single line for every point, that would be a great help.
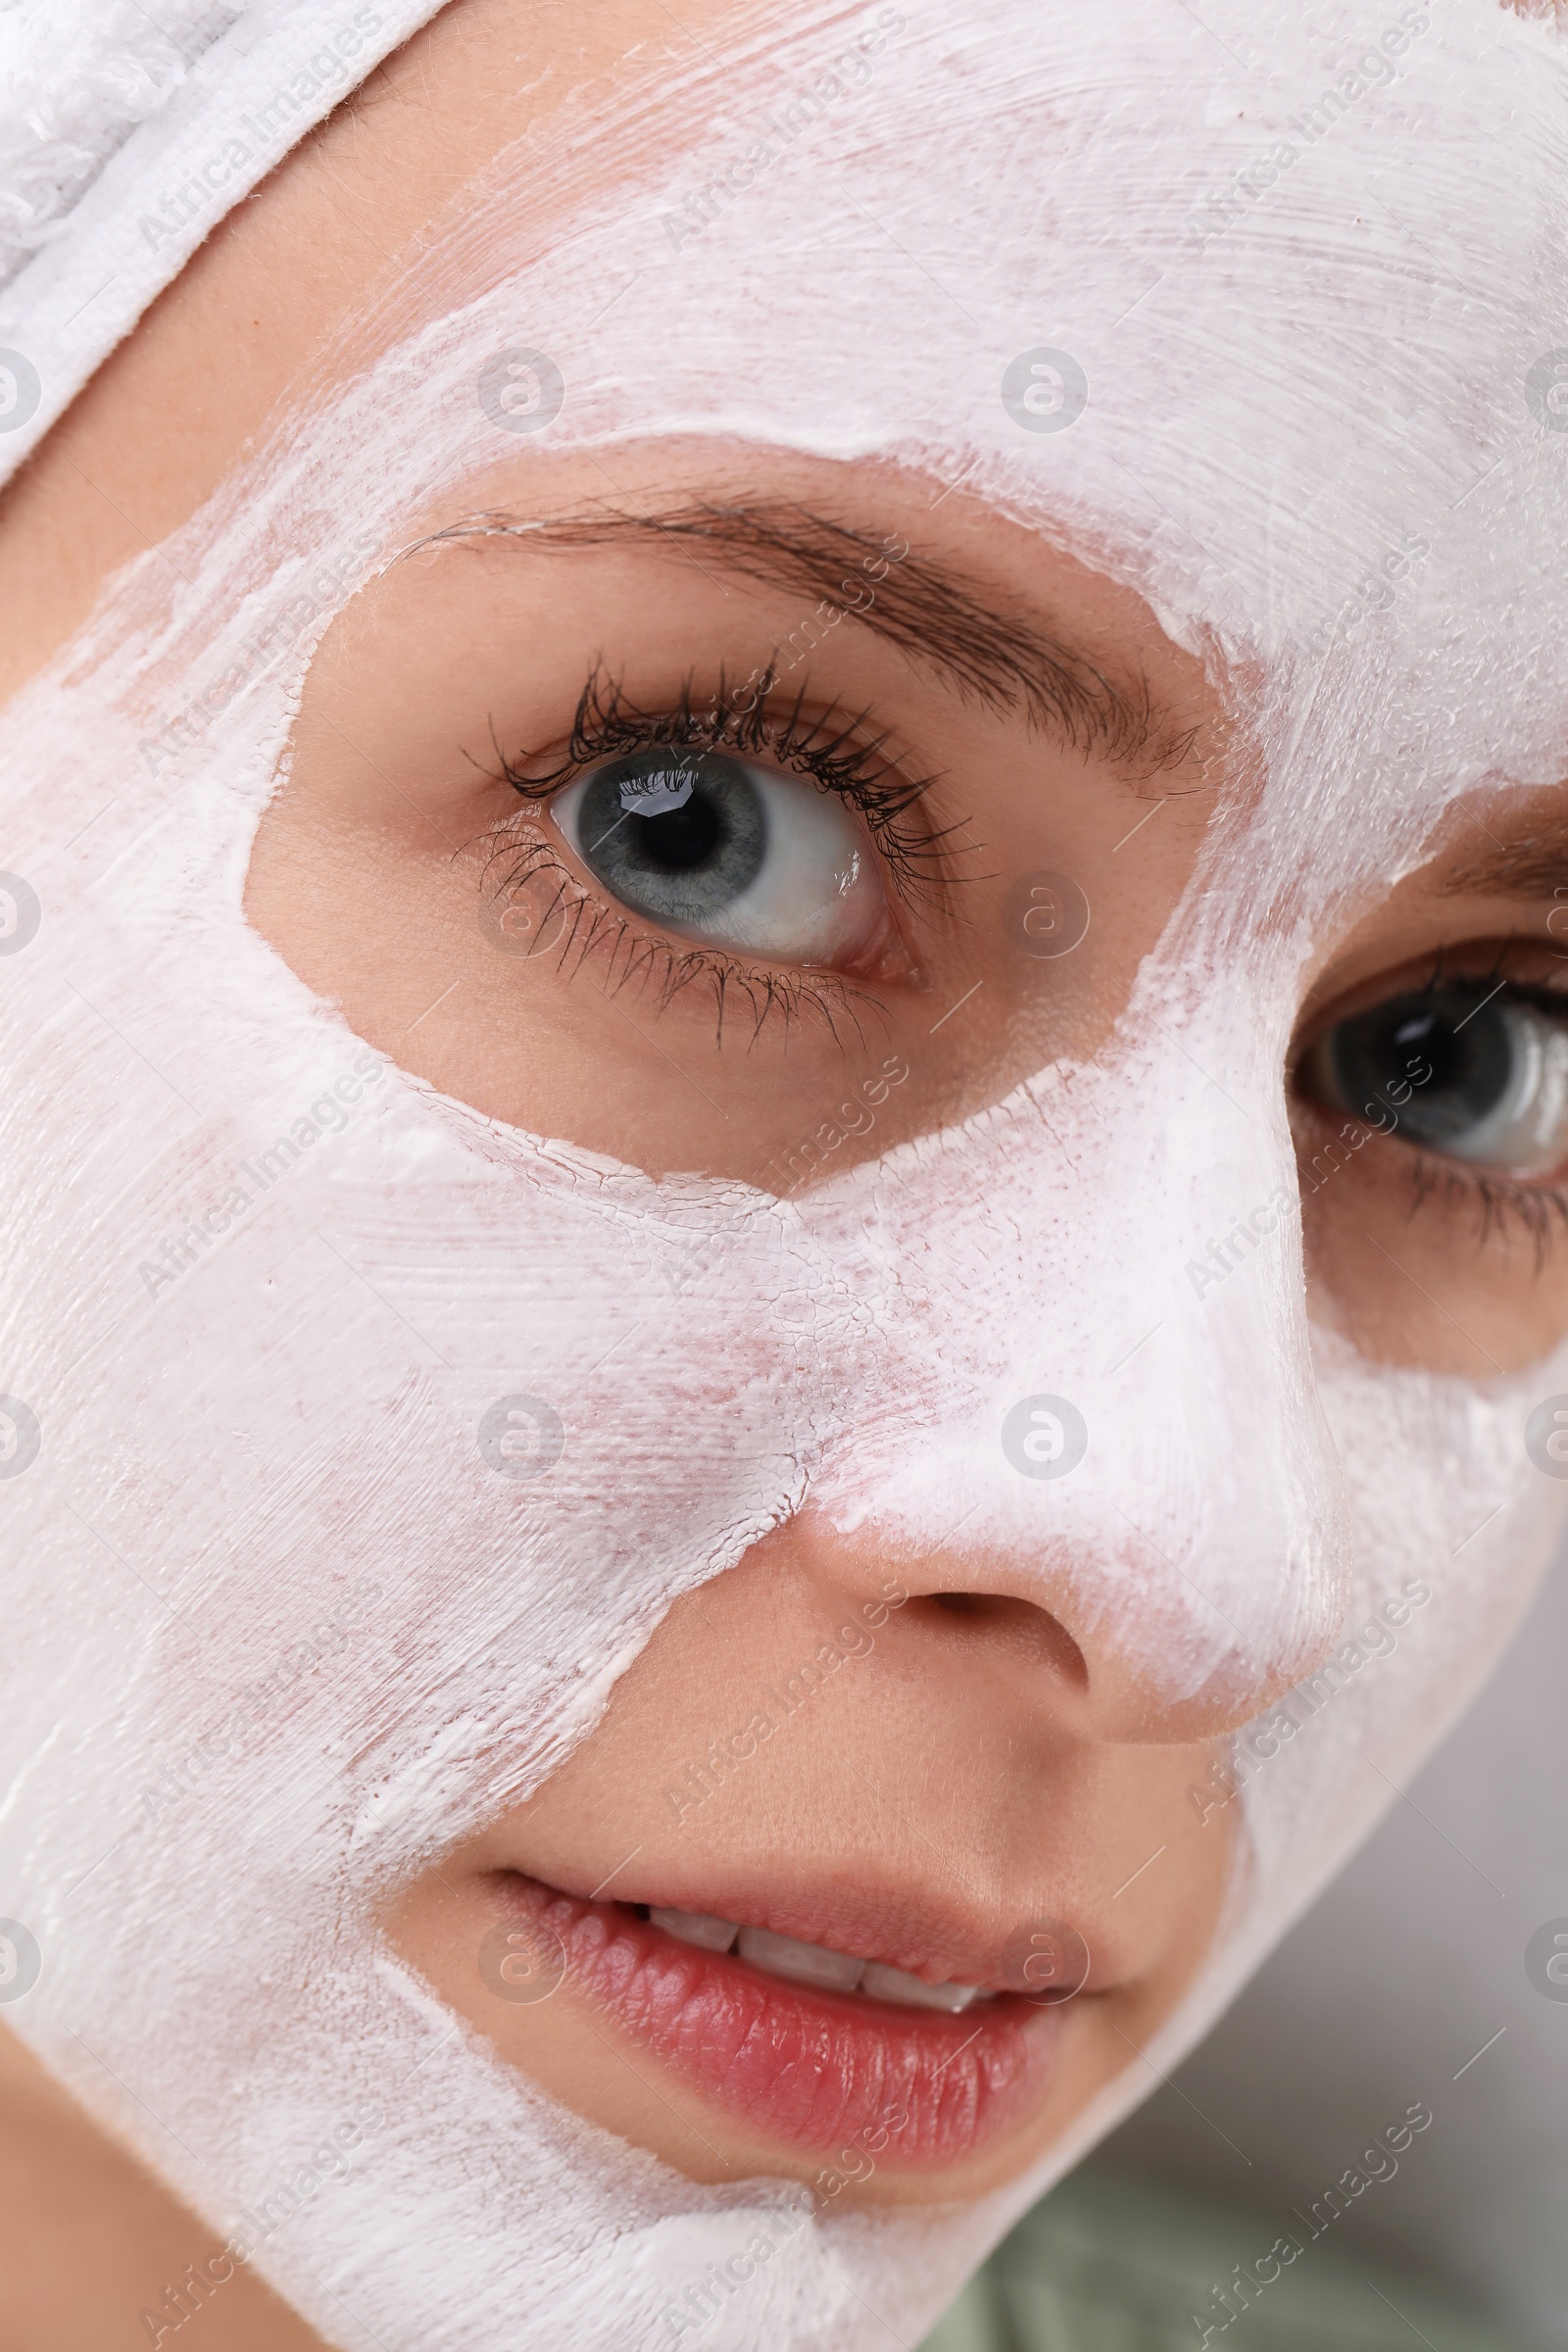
x: 815, y: 1964
x: 809, y: 2046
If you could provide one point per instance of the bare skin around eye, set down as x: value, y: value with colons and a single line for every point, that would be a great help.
x: 386, y: 865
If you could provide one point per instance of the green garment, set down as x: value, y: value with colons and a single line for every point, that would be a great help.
x: 1103, y: 2266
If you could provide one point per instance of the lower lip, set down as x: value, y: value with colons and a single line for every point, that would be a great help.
x: 812, y: 2069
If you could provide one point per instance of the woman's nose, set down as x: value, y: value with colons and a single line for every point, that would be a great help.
x: 1091, y: 1409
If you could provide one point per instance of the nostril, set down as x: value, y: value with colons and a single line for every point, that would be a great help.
x: 1014, y: 1628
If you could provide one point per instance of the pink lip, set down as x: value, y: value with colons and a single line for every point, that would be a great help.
x: 822, y: 2071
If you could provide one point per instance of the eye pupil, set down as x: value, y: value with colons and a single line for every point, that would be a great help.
x: 1474, y: 1069
x: 680, y: 836
x: 1446, y: 1059
x: 1474, y: 1066
x: 739, y: 854
x: 677, y: 838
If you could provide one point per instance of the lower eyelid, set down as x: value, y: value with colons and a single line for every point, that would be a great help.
x: 745, y: 996
x: 1498, y: 1201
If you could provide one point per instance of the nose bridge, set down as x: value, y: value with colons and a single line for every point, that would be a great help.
x: 1094, y: 1387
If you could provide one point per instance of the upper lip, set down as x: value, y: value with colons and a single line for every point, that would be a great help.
x: 903, y: 1926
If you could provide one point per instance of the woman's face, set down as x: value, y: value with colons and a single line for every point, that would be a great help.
x: 967, y: 1203
x: 985, y: 778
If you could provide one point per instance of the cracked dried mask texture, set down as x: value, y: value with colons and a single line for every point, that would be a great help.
x: 1280, y: 392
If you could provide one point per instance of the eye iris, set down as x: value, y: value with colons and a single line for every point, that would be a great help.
x: 678, y: 836
x: 1456, y: 1054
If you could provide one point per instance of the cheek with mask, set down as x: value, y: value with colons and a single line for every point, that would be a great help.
x: 787, y: 1098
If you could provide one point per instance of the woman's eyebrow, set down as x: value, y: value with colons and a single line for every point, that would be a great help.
x: 1533, y: 868
x: 930, y: 611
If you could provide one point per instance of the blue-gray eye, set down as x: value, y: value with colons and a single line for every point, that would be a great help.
x: 678, y: 838
x: 726, y: 850
x: 1465, y: 1068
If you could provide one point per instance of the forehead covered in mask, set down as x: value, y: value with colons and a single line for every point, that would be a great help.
x: 1246, y: 315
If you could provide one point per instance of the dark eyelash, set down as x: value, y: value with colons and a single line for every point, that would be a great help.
x: 1500, y: 1203
x: 607, y: 723
x: 832, y: 749
x: 649, y: 959
x: 1540, y: 994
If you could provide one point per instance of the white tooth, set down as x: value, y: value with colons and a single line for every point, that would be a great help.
x: 701, y: 1927
x: 804, y: 1963
x: 885, y: 1984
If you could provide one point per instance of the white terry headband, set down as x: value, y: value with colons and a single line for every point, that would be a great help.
x: 123, y: 141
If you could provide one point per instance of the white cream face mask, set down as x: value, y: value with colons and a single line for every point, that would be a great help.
x: 277, y: 1634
